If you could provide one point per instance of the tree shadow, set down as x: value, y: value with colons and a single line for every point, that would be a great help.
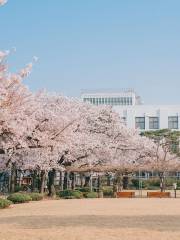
x: 154, y: 222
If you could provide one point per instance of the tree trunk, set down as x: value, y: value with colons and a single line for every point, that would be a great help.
x: 13, y: 178
x: 119, y: 182
x: 51, y: 187
x: 87, y: 181
x: 114, y: 186
x: 108, y: 180
x: 43, y: 178
x: 82, y: 179
x: 73, y: 182
x: 91, y: 182
x: 34, y: 177
x: 66, y: 180
x: 100, y: 191
x: 61, y: 180
x: 125, y: 182
x: 162, y: 181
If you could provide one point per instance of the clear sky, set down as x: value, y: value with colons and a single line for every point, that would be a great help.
x: 92, y: 44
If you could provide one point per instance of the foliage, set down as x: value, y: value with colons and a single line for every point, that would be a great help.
x: 84, y: 189
x: 172, y: 138
x: 108, y: 192
x: 18, y: 188
x: 4, y: 203
x: 153, y: 184
x: 35, y: 196
x: 19, y: 198
x: 70, y: 194
x: 91, y: 195
x: 135, y: 183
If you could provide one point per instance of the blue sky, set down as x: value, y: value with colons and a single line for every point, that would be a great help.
x: 91, y: 44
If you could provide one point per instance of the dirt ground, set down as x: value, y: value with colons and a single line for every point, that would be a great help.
x: 91, y: 219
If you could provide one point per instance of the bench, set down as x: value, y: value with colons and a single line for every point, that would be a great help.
x: 158, y: 194
x: 125, y: 194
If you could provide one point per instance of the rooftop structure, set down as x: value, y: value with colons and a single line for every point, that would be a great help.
x: 122, y: 97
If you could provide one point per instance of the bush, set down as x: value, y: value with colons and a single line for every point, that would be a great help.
x: 108, y: 192
x: 84, y: 189
x: 91, y: 195
x: 135, y: 183
x: 153, y: 188
x: 70, y: 194
x: 36, y: 196
x: 4, y: 203
x: 153, y: 182
x: 18, y: 188
x: 19, y: 198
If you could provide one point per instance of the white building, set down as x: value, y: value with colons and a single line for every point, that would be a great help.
x: 135, y: 114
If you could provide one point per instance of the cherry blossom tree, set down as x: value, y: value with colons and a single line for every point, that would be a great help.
x: 2, y: 2
x: 162, y: 160
x: 16, y: 110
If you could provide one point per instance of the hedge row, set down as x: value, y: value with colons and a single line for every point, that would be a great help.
x: 77, y: 194
x: 4, y: 203
x: 24, y: 197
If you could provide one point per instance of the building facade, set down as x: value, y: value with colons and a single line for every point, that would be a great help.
x: 124, y: 97
x: 135, y: 114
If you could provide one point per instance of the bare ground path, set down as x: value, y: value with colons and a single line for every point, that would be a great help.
x: 86, y: 219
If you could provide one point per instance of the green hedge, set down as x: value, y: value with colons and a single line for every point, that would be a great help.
x: 70, y: 194
x: 153, y: 183
x: 108, y: 192
x: 4, y: 203
x: 18, y: 188
x: 19, y: 198
x: 91, y: 195
x: 36, y: 196
x: 84, y: 189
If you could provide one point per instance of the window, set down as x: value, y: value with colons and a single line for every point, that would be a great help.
x: 140, y: 122
x: 153, y: 123
x: 131, y: 101
x: 173, y: 122
x: 125, y: 101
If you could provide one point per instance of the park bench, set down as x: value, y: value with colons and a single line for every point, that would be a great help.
x: 125, y: 194
x: 158, y: 194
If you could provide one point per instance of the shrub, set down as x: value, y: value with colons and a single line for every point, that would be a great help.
x: 135, y: 183
x: 4, y: 203
x: 91, y: 195
x: 70, y: 194
x: 36, y: 196
x: 18, y: 188
x: 153, y: 182
x: 84, y: 189
x: 108, y: 192
x: 153, y: 188
x: 19, y: 198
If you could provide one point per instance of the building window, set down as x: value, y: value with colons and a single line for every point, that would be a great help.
x: 153, y: 123
x: 140, y: 122
x: 131, y: 101
x: 124, y: 120
x: 173, y: 122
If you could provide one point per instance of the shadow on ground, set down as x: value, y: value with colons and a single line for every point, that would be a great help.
x: 156, y: 222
